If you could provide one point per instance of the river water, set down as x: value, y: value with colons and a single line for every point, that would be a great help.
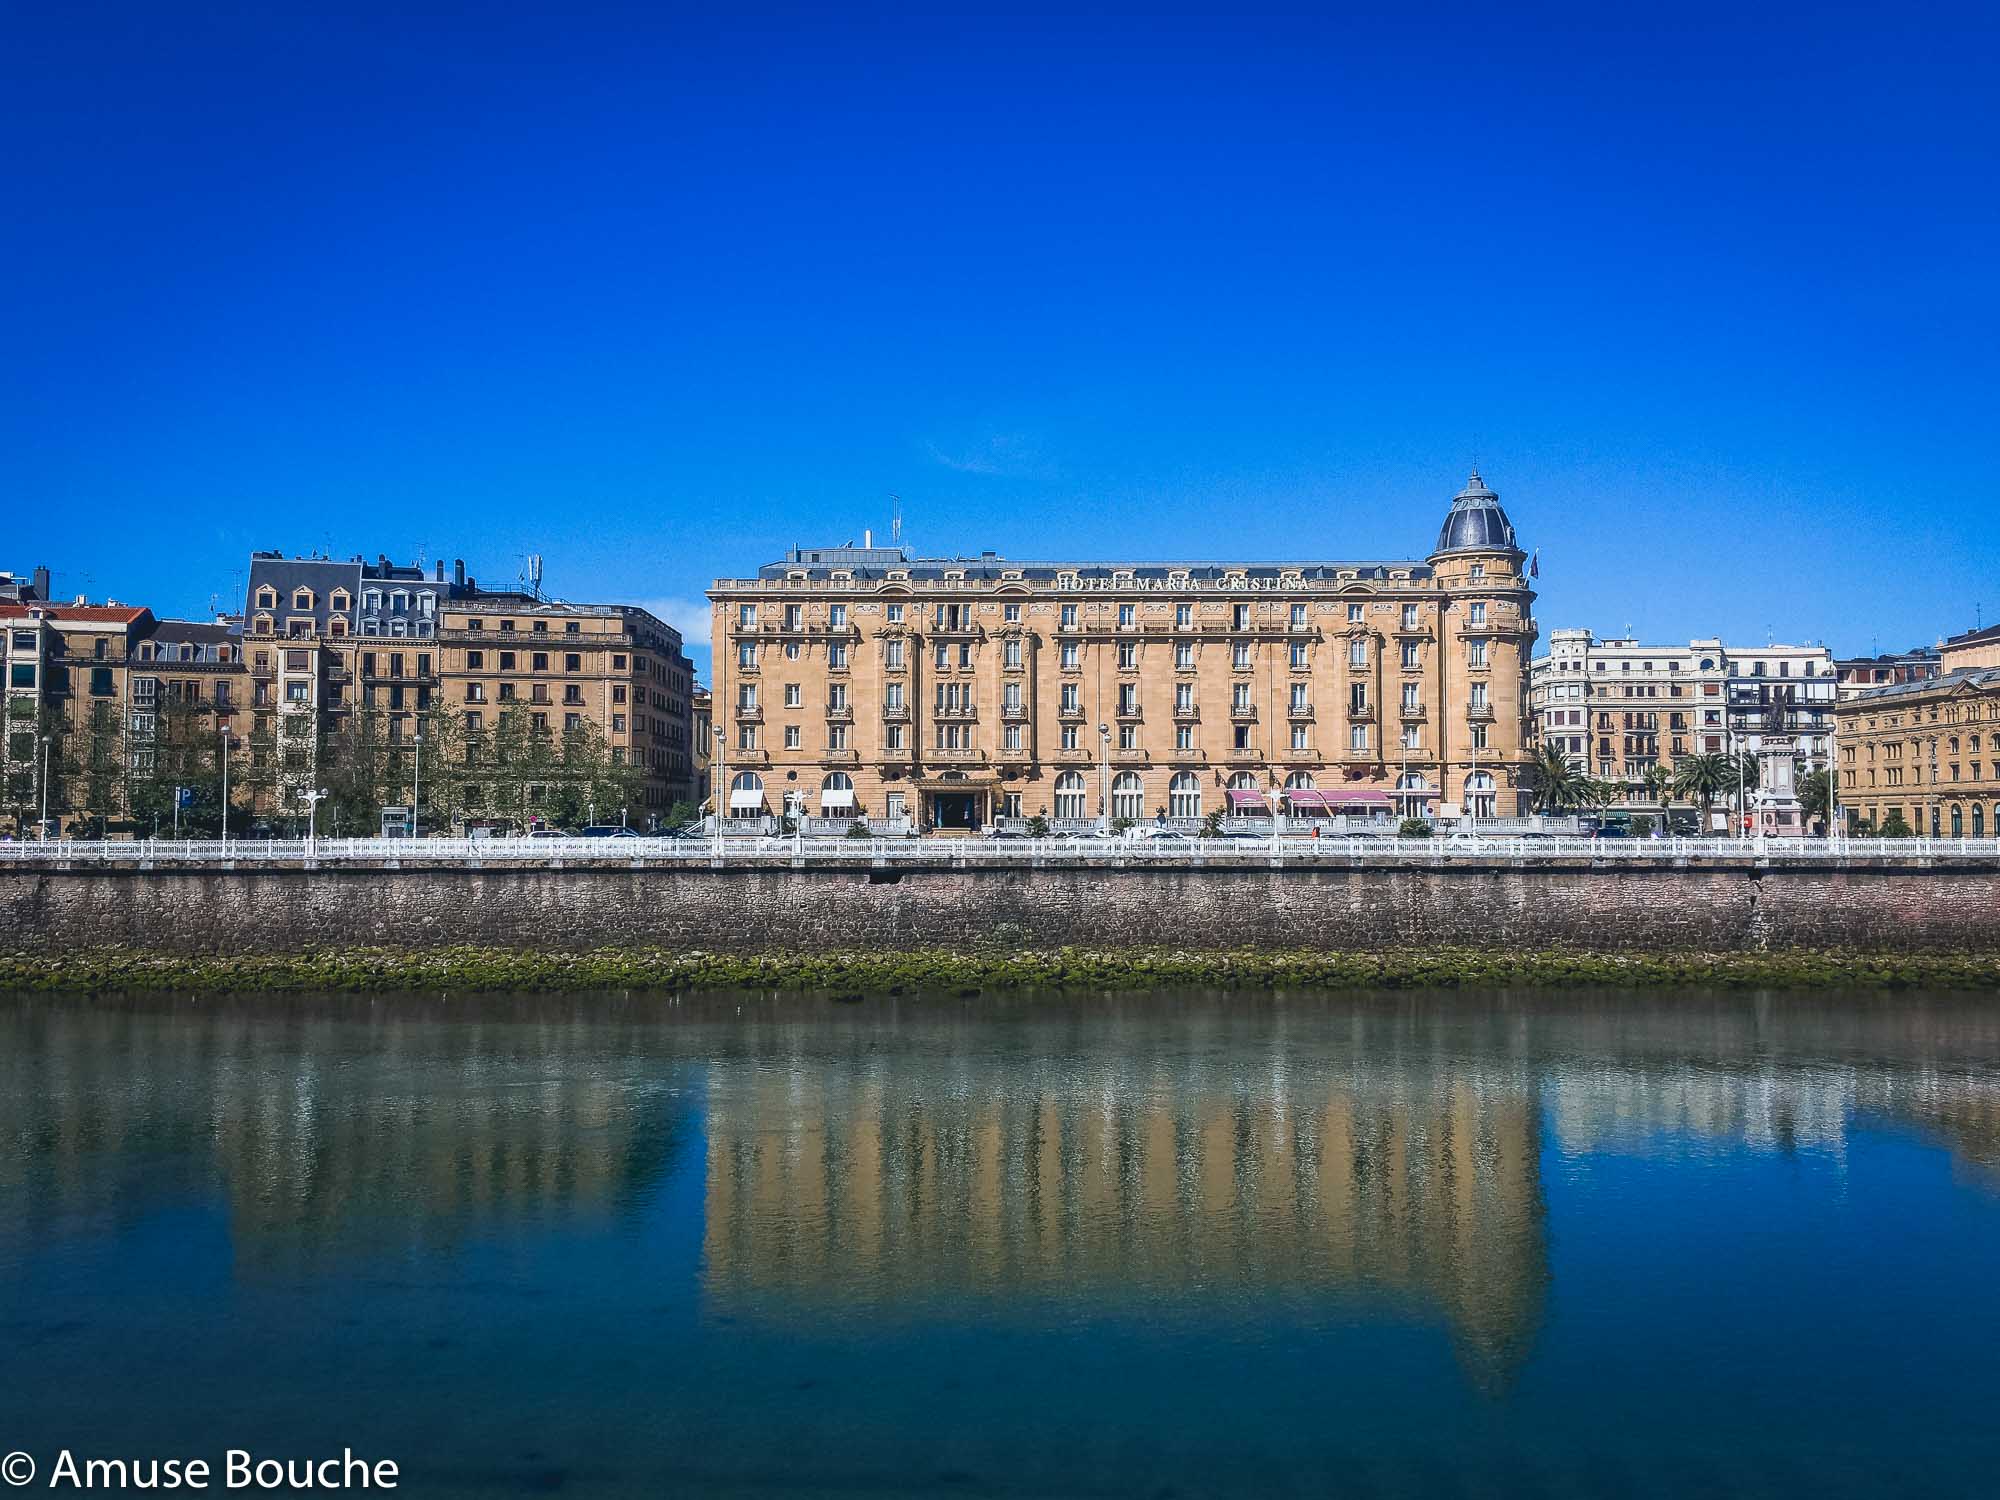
x: 1172, y: 1244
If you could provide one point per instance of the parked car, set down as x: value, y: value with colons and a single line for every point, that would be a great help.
x: 547, y: 833
x: 609, y: 831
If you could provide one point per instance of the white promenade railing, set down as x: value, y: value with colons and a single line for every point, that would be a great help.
x: 737, y: 849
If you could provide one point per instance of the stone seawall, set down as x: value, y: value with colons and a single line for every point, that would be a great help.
x: 196, y: 913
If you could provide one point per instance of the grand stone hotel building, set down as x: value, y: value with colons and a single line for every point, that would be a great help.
x: 955, y: 691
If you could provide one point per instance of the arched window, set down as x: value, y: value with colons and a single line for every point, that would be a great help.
x: 1411, y: 801
x: 1128, y: 796
x: 1184, y: 796
x: 1069, y: 795
x: 746, y: 795
x: 1299, y: 781
x: 836, y: 795
x: 1978, y: 821
x: 1480, y: 801
x: 1243, y: 781
x: 1957, y: 821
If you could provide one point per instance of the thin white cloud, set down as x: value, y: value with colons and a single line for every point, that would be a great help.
x: 1007, y: 455
x: 690, y: 617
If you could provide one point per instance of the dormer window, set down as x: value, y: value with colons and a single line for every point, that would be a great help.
x: 339, y: 601
x: 399, y: 602
x: 302, y: 599
x: 372, y: 601
x: 267, y: 598
x: 261, y: 625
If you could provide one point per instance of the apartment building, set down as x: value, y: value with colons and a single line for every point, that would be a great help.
x: 957, y: 690
x: 67, y: 692
x: 516, y: 669
x: 1617, y: 706
x: 1926, y: 752
x: 1857, y: 674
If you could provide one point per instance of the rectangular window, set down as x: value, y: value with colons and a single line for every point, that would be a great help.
x: 1299, y: 732
x: 1184, y: 737
x: 836, y: 656
x: 1357, y: 697
x: 746, y: 654
x: 1184, y: 656
x: 1010, y: 614
x: 1298, y: 617
x: 1410, y: 658
x: 1068, y: 657
x: 836, y: 616
x: 1069, y: 740
x: 1354, y: 614
x: 1124, y: 615
x: 1239, y: 617
x: 1069, y: 617
x: 1010, y: 653
x: 1239, y: 657
x: 1357, y: 736
x: 1128, y: 656
x: 895, y: 614
x: 1298, y: 656
x: 1475, y: 653
x: 1357, y: 653
x: 1183, y: 616
x: 746, y: 617
x: 1478, y: 617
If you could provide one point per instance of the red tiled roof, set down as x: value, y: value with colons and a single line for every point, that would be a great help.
x: 82, y: 614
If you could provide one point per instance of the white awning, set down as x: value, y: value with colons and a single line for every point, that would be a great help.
x: 836, y: 797
x: 741, y: 798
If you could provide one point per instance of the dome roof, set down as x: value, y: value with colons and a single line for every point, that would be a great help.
x: 1476, y: 523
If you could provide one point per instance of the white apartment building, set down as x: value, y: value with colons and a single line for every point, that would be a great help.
x: 1616, y: 706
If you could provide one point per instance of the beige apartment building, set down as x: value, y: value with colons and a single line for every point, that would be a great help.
x: 1927, y: 751
x: 956, y: 691
x: 611, y: 669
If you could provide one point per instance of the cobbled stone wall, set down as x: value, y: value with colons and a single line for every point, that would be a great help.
x: 778, y: 911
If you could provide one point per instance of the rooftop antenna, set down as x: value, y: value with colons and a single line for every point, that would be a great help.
x: 896, y: 520
x: 532, y: 576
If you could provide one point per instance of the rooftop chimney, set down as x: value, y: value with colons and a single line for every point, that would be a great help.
x: 458, y: 571
x: 868, y: 537
x: 41, y: 583
x: 440, y: 570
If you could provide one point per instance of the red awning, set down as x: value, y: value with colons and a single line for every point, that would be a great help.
x: 1346, y: 797
x: 1240, y: 799
x: 1305, y: 797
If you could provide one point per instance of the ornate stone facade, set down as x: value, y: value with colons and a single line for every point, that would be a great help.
x: 955, y: 691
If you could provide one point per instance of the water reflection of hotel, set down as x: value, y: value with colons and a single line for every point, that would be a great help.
x: 1106, y: 1179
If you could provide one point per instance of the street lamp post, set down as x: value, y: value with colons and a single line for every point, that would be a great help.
x: 225, y: 789
x: 1104, y: 778
x: 312, y: 796
x: 42, y: 828
x: 417, y: 787
x: 718, y: 785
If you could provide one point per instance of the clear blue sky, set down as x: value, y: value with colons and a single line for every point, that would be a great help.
x: 1709, y: 294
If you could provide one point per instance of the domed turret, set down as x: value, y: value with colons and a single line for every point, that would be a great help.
x: 1476, y: 523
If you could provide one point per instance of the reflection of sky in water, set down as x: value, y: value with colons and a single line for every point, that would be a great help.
x: 1637, y: 1244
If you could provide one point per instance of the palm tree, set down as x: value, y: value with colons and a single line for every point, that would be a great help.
x: 1701, y: 779
x: 1740, y: 773
x: 1558, y: 785
x: 1659, y: 784
x: 1817, y: 797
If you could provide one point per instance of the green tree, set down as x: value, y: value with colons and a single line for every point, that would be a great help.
x: 1818, y: 796
x: 1895, y: 826
x: 1558, y: 786
x: 1702, y: 779
x: 1413, y: 828
x: 1659, y: 784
